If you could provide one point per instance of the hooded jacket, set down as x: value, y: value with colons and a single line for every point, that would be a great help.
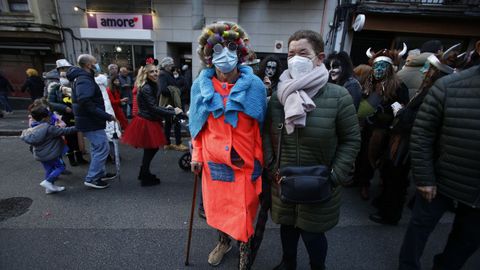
x: 411, y: 74
x: 46, y: 140
x: 87, y: 100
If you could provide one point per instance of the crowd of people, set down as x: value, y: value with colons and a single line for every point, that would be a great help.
x: 284, y: 140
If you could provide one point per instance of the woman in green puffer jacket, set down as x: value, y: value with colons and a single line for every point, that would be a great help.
x: 321, y: 127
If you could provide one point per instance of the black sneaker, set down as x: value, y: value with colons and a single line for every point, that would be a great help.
x: 99, y: 184
x: 108, y: 176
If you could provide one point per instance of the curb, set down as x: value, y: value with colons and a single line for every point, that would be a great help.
x: 10, y: 132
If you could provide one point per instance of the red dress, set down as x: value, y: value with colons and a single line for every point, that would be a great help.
x: 117, y: 107
x: 145, y: 133
x: 230, y: 193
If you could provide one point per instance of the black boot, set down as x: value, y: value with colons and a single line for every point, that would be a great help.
x: 154, y: 177
x: 147, y: 178
x: 71, y: 159
x: 317, y: 267
x: 286, y: 265
x: 80, y: 159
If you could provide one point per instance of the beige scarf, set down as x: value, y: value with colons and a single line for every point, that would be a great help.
x: 296, y: 95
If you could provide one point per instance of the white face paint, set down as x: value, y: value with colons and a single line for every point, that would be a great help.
x: 335, y: 70
x: 270, y: 69
x: 335, y: 73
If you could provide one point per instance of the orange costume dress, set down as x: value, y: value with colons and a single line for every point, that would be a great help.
x: 232, y: 160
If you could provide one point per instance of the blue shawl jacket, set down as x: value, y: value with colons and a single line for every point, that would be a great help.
x: 248, y: 95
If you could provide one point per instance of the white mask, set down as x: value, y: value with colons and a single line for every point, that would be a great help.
x: 299, y: 66
x: 64, y: 81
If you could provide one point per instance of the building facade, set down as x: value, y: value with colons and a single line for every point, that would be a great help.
x: 34, y: 33
x: 134, y: 30
x: 360, y: 24
x: 30, y: 37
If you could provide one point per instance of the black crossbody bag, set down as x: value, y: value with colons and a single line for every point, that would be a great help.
x: 302, y: 184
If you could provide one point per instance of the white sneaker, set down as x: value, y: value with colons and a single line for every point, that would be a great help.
x: 51, y: 188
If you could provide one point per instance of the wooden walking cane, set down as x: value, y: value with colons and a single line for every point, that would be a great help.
x: 191, y: 219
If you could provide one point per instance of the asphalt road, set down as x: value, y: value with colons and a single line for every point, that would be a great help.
x: 131, y: 227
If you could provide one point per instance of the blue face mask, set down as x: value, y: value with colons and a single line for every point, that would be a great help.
x: 380, y: 69
x: 97, y: 67
x: 225, y: 61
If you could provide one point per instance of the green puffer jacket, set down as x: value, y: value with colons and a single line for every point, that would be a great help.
x: 331, y: 137
x: 445, y: 140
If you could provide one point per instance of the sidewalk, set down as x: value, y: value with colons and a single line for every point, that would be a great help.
x: 13, y: 124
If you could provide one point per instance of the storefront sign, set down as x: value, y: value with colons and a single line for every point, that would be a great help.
x: 120, y: 21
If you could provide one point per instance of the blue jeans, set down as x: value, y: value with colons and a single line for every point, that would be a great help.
x: 5, y: 103
x: 53, y: 168
x: 99, y: 150
x: 463, y: 241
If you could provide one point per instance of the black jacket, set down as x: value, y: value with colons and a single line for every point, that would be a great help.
x: 5, y: 86
x: 87, y: 99
x: 147, y: 100
x: 164, y: 80
x: 34, y: 85
x: 445, y: 139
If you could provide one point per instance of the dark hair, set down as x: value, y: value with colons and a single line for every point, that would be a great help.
x: 112, y: 86
x: 39, y: 112
x: 432, y: 46
x: 314, y: 38
x: 344, y: 60
x: 263, y: 66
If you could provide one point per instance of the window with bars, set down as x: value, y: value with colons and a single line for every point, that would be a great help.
x: 18, y: 6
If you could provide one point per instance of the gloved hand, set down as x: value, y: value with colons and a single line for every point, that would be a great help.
x: 178, y: 111
x: 196, y: 167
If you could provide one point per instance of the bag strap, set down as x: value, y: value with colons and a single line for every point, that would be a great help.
x: 279, y: 150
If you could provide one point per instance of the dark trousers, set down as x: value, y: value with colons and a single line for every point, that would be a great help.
x: 316, y: 244
x: 148, y: 155
x: 395, y: 183
x: 72, y: 142
x: 363, y: 169
x: 169, y: 121
x: 463, y: 241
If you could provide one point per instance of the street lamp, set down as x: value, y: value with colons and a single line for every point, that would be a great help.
x: 152, y: 11
x: 77, y: 8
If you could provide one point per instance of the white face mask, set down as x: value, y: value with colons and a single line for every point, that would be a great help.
x: 64, y: 81
x: 299, y: 66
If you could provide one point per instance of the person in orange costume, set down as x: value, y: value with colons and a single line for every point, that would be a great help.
x: 228, y: 106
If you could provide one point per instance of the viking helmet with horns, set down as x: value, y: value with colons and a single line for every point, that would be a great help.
x: 390, y: 56
x: 448, y: 61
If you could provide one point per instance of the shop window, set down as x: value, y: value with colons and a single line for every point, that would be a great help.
x: 18, y: 6
x: 124, y: 55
